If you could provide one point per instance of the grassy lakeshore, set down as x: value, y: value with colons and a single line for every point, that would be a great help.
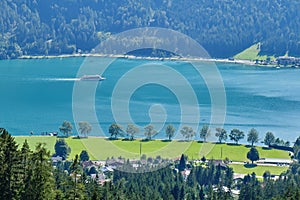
x: 101, y: 148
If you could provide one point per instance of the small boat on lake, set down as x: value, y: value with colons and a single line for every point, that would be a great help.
x: 95, y: 77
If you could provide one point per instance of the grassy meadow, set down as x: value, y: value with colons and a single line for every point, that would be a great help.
x: 252, y: 53
x: 259, y: 170
x: 101, y: 148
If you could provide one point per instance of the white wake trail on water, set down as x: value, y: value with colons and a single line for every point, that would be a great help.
x: 57, y: 79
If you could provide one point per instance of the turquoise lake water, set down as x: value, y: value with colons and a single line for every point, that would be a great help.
x: 37, y: 95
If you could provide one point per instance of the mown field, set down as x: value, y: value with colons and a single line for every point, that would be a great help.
x: 259, y: 170
x: 101, y: 148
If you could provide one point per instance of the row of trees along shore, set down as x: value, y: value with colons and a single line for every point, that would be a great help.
x: 28, y: 174
x: 235, y: 135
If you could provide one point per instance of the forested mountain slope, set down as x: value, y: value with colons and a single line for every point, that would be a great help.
x: 223, y: 27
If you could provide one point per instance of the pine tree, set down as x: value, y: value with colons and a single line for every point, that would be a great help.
x: 77, y: 188
x: 26, y: 170
x: 9, y: 173
x: 250, y: 189
x: 84, y: 156
x: 182, y: 193
x: 191, y: 179
x: 182, y: 163
x: 228, y: 179
x: 62, y: 149
x: 201, y: 193
x: 217, y: 175
x: 42, y: 183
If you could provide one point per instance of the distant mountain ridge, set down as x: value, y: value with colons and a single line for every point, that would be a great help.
x: 223, y: 27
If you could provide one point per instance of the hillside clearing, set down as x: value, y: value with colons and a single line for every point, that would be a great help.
x: 252, y: 53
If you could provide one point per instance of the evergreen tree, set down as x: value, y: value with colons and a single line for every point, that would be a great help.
x: 201, y: 193
x: 191, y: 179
x: 84, y: 156
x: 217, y: 175
x: 228, y: 179
x: 176, y: 192
x: 77, y: 191
x: 9, y: 163
x: 269, y: 191
x: 250, y: 189
x: 41, y: 182
x: 62, y: 180
x: 26, y: 170
x: 182, y: 193
x: 253, y: 154
x: 297, y: 149
x: 182, y: 163
x: 62, y: 149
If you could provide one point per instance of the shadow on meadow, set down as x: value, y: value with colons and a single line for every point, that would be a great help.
x: 233, y: 144
x: 111, y: 139
x: 249, y: 165
x: 266, y: 148
x: 80, y: 137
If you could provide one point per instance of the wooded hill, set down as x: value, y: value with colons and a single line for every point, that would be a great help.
x: 224, y: 28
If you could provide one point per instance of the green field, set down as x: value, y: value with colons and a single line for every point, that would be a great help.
x: 101, y: 148
x: 252, y: 53
x: 259, y: 170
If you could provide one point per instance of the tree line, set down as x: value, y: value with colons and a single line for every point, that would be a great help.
x: 115, y: 130
x: 224, y: 28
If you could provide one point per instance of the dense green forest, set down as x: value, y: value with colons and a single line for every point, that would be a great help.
x: 29, y: 174
x: 224, y: 28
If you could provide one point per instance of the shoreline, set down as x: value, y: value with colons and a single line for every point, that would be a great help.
x: 191, y: 59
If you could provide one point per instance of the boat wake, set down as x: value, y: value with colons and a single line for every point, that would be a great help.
x: 59, y: 79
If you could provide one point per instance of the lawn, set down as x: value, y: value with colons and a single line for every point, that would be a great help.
x: 259, y: 170
x: 101, y: 148
x: 76, y: 145
x: 252, y: 53
x: 238, y: 152
x: 34, y: 140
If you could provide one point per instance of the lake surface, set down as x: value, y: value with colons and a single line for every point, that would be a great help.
x: 37, y: 95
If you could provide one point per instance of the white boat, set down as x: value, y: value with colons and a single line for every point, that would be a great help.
x: 92, y: 78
